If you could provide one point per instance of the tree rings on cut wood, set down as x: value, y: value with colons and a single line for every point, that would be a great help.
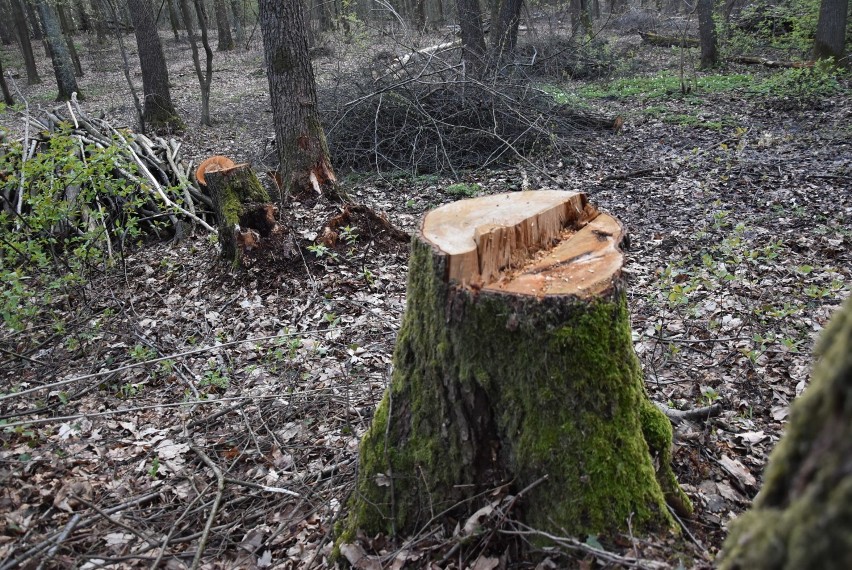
x: 244, y: 212
x: 514, y: 369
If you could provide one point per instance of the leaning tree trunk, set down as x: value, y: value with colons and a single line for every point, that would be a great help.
x: 63, y: 68
x: 802, y: 517
x: 159, y: 112
x: 304, y: 162
x: 515, y: 363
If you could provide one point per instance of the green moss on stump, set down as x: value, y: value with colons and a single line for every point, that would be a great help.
x: 492, y: 388
x: 802, y: 517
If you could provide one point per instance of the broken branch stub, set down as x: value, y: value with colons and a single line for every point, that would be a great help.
x: 527, y: 243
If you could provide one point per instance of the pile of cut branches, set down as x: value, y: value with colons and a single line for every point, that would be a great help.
x: 144, y: 178
x: 427, y: 115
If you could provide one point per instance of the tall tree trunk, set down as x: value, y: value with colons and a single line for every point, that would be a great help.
x: 504, y: 32
x: 802, y: 517
x: 473, y: 39
x: 516, y: 371
x: 100, y: 21
x: 707, y: 34
x: 300, y: 139
x: 67, y: 31
x: 159, y: 112
x: 226, y: 41
x: 7, y: 96
x: 63, y: 68
x: 24, y: 41
x: 831, y: 31
x: 35, y: 25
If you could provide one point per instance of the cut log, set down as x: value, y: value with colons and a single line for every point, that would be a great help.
x: 668, y: 41
x: 514, y: 363
x: 244, y: 213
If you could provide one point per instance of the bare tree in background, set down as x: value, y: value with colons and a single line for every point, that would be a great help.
x: 504, y: 31
x: 831, y: 30
x: 300, y: 139
x: 65, y: 23
x: 159, y: 112
x: 473, y: 38
x: 63, y: 68
x: 7, y: 96
x: 205, y: 77
x: 24, y: 41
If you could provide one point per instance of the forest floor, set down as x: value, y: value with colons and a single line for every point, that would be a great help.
x: 192, y: 390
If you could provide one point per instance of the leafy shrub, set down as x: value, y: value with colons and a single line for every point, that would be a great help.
x: 63, y: 212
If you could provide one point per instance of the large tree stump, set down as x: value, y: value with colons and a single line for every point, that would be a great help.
x: 514, y: 362
x: 244, y: 213
x: 802, y: 517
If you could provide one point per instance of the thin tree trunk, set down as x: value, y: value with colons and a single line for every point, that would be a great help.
x: 100, y: 16
x: 24, y: 41
x: 204, y: 77
x: 7, y: 36
x: 67, y: 31
x: 83, y: 16
x: 300, y: 139
x: 159, y: 112
x: 107, y: 10
x: 226, y: 41
x: 63, y: 68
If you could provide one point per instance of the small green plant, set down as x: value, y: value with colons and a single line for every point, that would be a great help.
x: 320, y: 251
x: 214, y: 379
x: 155, y: 467
x: 462, y: 190
x: 804, y: 83
x: 349, y: 235
x: 141, y: 353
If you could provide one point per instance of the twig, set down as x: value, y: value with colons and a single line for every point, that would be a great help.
x: 695, y: 414
x: 214, y: 510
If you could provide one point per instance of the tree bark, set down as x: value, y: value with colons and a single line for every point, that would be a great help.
x: 7, y: 96
x: 239, y: 24
x: 243, y: 210
x: 223, y: 26
x: 174, y: 19
x: 473, y: 38
x: 504, y: 32
x: 802, y: 517
x: 7, y: 36
x: 24, y: 41
x: 831, y: 31
x: 300, y: 139
x: 68, y: 32
x: 512, y: 365
x: 158, y: 111
x: 707, y: 34
x: 63, y: 68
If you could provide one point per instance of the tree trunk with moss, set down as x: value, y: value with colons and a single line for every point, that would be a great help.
x: 802, y: 517
x: 244, y: 214
x: 515, y: 362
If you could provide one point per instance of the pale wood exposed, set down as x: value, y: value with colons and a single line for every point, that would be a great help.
x: 529, y: 243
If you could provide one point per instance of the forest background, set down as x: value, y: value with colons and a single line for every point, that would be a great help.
x: 158, y: 406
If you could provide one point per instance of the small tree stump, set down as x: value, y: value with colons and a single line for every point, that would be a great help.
x: 244, y: 213
x: 515, y: 362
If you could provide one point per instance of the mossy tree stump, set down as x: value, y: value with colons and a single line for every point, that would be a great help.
x: 802, y: 517
x: 515, y: 361
x: 244, y: 212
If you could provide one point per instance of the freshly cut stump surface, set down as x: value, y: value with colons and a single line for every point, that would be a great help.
x: 514, y: 370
